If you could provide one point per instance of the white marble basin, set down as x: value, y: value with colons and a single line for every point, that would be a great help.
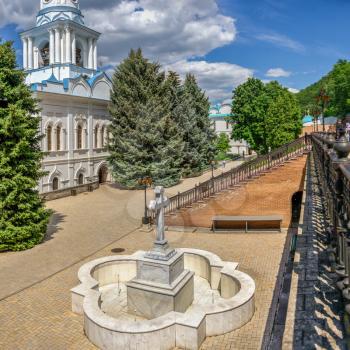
x: 224, y: 301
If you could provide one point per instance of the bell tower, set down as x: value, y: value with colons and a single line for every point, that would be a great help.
x: 60, y: 45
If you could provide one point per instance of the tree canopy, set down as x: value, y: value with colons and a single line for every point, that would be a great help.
x: 160, y: 127
x: 23, y: 218
x: 336, y: 85
x: 265, y: 115
x: 145, y: 140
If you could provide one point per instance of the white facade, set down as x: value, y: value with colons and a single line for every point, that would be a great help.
x: 220, y: 115
x: 60, y: 59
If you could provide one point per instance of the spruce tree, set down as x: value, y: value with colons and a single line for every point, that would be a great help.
x: 23, y: 218
x: 199, y: 134
x: 145, y: 140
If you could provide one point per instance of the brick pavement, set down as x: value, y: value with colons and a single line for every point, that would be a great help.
x: 40, y: 318
x: 80, y: 226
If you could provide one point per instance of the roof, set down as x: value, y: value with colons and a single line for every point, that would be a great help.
x: 308, y: 119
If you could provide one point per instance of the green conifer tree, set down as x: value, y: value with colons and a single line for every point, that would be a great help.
x: 23, y: 218
x: 200, y: 136
x: 145, y: 140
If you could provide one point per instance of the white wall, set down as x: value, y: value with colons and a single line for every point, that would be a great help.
x: 69, y: 162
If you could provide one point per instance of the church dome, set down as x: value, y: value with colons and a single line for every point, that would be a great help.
x: 53, y: 10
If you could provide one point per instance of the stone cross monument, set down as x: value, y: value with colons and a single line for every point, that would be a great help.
x: 162, y: 284
x: 161, y: 249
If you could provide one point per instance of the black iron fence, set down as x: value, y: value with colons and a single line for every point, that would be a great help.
x: 239, y: 175
x: 333, y: 166
x: 333, y: 172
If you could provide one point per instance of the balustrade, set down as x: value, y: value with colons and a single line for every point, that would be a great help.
x: 333, y: 167
x: 238, y: 175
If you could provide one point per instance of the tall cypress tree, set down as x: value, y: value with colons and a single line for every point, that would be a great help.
x: 23, y: 218
x: 145, y: 140
x: 200, y: 136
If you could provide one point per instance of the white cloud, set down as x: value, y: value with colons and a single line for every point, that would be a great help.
x: 281, y: 40
x: 277, y: 73
x: 294, y: 91
x: 218, y: 78
x: 168, y: 31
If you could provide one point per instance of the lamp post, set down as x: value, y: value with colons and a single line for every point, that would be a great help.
x: 145, y: 181
x: 322, y: 100
x: 315, y: 113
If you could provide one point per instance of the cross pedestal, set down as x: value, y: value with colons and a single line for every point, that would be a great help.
x: 161, y: 284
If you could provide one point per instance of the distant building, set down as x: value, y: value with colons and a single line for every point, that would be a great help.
x: 310, y: 124
x: 220, y: 115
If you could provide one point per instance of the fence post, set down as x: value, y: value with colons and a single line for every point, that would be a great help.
x: 178, y: 200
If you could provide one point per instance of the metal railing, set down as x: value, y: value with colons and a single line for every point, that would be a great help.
x: 236, y: 176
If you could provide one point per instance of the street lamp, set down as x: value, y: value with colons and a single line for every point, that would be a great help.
x: 323, y: 100
x: 315, y: 112
x: 145, y: 181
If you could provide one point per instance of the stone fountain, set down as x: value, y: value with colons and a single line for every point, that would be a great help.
x: 162, y: 298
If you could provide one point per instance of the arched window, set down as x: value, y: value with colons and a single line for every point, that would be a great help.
x: 102, y: 137
x: 79, y: 137
x: 81, y: 179
x: 49, y: 138
x: 96, y: 137
x: 58, y: 138
x: 55, y: 184
x: 79, y: 54
x: 45, y: 56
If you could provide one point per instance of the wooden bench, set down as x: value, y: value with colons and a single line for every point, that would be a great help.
x: 247, y: 223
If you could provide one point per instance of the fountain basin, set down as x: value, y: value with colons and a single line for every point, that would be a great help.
x: 232, y: 307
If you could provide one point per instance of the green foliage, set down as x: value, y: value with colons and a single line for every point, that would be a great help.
x: 266, y: 116
x: 223, y: 143
x: 145, y: 140
x: 336, y: 84
x: 307, y: 96
x: 160, y: 127
x: 199, y: 136
x: 23, y: 218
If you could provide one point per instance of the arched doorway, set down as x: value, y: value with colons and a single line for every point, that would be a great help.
x: 102, y: 174
x: 55, y: 184
x: 81, y: 179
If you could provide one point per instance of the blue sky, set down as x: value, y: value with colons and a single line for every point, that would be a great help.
x: 223, y: 42
x: 304, y: 37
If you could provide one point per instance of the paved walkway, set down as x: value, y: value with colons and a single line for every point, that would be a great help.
x: 80, y: 226
x: 40, y: 317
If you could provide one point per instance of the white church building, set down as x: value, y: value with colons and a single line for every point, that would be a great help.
x: 221, y: 115
x: 60, y: 59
